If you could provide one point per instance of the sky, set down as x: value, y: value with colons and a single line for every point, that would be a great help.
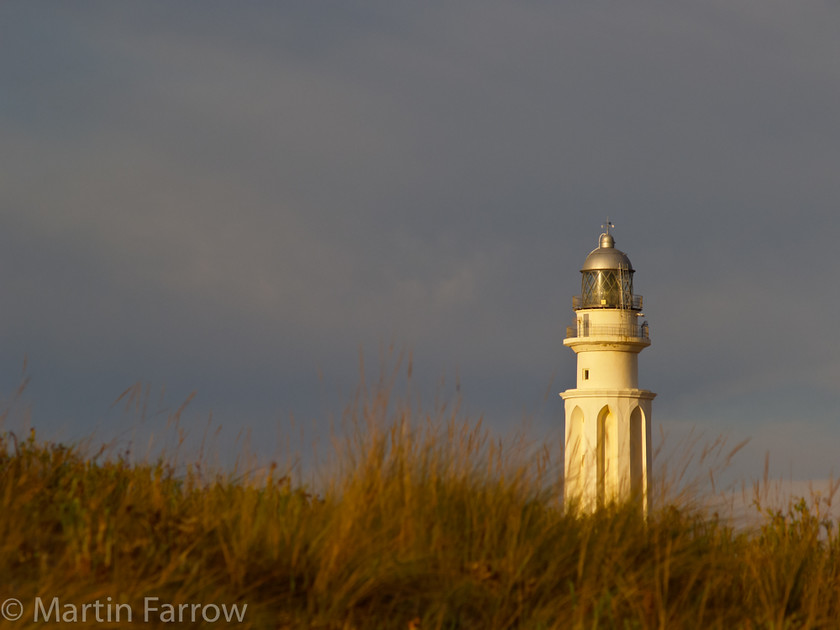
x: 240, y: 199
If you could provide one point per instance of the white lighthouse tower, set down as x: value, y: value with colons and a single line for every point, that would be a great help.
x: 607, y: 450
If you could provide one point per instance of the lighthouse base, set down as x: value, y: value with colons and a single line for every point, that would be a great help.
x: 607, y: 452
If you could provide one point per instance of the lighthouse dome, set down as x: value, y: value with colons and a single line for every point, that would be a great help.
x: 606, y: 256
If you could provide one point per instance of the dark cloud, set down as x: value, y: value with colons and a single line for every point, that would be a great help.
x: 232, y: 199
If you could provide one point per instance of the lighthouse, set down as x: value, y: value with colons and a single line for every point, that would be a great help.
x: 607, y: 439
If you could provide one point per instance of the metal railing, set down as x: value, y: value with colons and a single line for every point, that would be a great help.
x: 642, y: 331
x: 633, y: 304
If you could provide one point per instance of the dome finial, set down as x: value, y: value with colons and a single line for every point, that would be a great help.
x: 606, y: 239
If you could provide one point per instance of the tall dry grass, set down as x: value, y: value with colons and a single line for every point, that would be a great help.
x: 423, y: 520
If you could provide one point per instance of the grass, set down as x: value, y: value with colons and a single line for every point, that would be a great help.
x: 423, y: 521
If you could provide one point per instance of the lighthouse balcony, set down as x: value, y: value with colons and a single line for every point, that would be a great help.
x: 614, y: 300
x: 635, y: 332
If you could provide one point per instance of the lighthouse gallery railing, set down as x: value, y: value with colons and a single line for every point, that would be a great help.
x: 632, y: 302
x: 600, y: 330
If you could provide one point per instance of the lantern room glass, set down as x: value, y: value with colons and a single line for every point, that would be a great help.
x: 607, y: 288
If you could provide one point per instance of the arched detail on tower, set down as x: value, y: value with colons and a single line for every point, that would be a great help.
x: 576, y: 449
x: 575, y: 440
x: 607, y: 455
x: 638, y: 454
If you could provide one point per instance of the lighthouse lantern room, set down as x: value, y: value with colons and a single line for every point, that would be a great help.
x: 607, y: 439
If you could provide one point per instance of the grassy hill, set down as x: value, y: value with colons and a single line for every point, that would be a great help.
x: 422, y: 522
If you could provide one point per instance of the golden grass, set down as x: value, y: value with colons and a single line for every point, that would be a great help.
x: 423, y: 521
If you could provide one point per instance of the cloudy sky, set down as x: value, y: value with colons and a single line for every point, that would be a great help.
x: 234, y: 199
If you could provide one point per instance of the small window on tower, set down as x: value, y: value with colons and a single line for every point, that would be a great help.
x: 586, y: 375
